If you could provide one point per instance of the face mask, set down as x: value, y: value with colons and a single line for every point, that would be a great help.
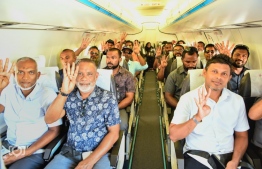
x: 22, y: 88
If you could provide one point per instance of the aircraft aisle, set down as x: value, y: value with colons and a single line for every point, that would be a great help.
x: 147, y: 151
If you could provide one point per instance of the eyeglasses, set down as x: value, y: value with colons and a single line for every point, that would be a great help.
x: 93, y: 53
x: 127, y: 52
x: 210, y: 51
x: 83, y: 108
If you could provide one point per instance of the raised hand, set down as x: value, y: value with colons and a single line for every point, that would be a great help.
x: 136, y: 47
x: 224, y: 48
x: 69, y: 81
x: 123, y: 37
x: 5, y: 74
x: 203, y: 108
x: 158, y: 51
x: 164, y: 61
x: 85, y: 42
x: 104, y: 46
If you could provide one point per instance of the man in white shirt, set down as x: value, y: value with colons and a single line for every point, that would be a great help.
x: 24, y: 105
x: 211, y: 118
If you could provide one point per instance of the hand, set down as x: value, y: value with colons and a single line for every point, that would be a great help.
x: 136, y: 47
x: 194, y: 44
x: 104, y: 46
x: 123, y: 37
x: 203, y: 108
x: 14, y: 156
x: 224, y: 49
x: 231, y: 165
x: 173, y: 42
x: 158, y: 51
x: 5, y: 74
x: 164, y: 61
x: 85, y: 164
x: 115, y: 43
x: 85, y: 42
x: 69, y: 81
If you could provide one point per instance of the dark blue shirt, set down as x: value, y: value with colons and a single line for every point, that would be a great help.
x: 90, y: 118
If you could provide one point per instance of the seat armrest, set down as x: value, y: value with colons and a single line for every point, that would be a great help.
x: 53, y: 146
x: 114, y: 152
x: 252, y: 157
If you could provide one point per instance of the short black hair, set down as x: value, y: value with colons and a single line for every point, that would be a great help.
x: 116, y: 49
x: 129, y: 41
x: 110, y: 41
x: 240, y: 46
x: 210, y: 45
x: 222, y: 59
x: 93, y: 47
x: 189, y: 50
x: 181, y: 41
x: 201, y: 43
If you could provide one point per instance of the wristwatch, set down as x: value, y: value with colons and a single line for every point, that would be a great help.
x: 63, y: 94
x: 195, y: 120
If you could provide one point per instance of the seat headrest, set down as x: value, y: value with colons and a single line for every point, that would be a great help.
x: 196, y: 78
x: 103, y: 62
x: 48, y: 77
x: 104, y: 78
x: 251, y: 84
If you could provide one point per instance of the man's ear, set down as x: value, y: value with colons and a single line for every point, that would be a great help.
x: 204, y: 72
x: 38, y: 75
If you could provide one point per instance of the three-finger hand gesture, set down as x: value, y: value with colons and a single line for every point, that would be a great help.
x: 5, y: 74
x: 104, y: 46
x: 69, y: 81
x: 203, y: 108
x: 158, y: 51
x: 224, y: 48
x: 123, y: 37
x: 164, y: 61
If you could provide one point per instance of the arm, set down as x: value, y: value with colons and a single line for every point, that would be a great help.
x: 180, y: 131
x: 122, y: 40
x: 136, y: 54
x: 157, y: 60
x: 84, y: 44
x: 5, y: 77
x: 106, y: 144
x: 255, y: 112
x: 240, y: 146
x: 170, y: 99
x: 40, y: 143
x: 161, y: 73
x: 56, y: 109
x: 127, y: 100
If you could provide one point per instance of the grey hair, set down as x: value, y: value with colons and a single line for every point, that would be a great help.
x: 25, y: 59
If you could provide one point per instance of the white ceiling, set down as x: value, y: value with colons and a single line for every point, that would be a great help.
x: 71, y: 15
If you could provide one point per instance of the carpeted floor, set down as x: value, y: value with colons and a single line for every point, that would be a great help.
x: 147, y: 152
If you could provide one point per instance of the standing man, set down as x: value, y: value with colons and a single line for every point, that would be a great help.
x: 24, y: 105
x: 93, y: 116
x: 212, y: 119
x: 125, y: 84
x: 176, y: 77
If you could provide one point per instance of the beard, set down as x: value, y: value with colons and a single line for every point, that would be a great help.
x: 238, y: 65
x: 113, y: 66
x: 85, y: 88
x: 24, y: 88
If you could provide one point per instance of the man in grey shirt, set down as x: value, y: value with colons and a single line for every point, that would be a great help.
x: 176, y: 77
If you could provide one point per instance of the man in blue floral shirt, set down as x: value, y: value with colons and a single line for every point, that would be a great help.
x: 93, y: 115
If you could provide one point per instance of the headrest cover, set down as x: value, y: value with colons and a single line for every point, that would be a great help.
x: 104, y: 78
x: 256, y: 82
x: 196, y: 78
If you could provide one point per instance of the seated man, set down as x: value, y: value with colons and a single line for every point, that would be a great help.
x: 209, y: 52
x: 94, y: 55
x: 125, y: 84
x: 93, y: 115
x: 176, y: 77
x: 212, y: 119
x: 24, y: 105
x: 134, y: 62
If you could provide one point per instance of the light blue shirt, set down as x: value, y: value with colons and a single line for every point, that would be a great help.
x: 135, y: 66
x: 25, y: 116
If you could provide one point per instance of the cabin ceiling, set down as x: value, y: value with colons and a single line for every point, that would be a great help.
x: 132, y: 16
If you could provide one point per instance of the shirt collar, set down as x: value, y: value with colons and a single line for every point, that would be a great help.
x: 32, y: 95
x: 181, y: 70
